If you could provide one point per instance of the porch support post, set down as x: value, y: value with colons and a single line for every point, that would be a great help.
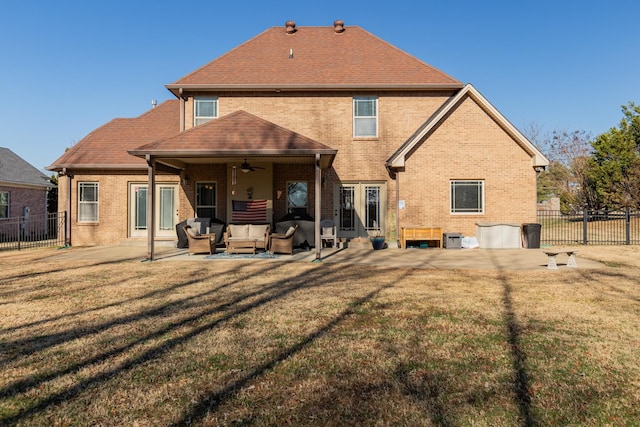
x: 67, y: 223
x: 317, y: 208
x: 151, y: 226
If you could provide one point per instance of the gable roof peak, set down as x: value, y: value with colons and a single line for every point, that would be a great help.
x: 399, y: 157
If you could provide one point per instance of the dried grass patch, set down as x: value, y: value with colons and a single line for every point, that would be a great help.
x: 262, y: 343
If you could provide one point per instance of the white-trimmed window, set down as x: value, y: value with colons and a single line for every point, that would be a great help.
x: 467, y: 197
x: 204, y: 110
x: 87, y: 202
x: 365, y: 116
x: 206, y: 200
x: 4, y: 204
x: 297, y: 197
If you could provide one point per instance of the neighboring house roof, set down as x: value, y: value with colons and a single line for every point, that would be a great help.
x: 398, y: 158
x: 106, y: 147
x: 309, y: 58
x: 15, y: 171
x: 236, y: 134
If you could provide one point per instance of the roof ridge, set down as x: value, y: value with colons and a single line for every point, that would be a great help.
x: 308, y: 58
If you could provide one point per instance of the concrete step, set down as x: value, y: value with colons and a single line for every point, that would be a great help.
x: 142, y: 241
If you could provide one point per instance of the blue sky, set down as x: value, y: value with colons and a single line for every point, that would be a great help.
x: 69, y: 67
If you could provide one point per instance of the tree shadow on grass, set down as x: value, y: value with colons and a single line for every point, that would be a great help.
x: 518, y: 357
x: 211, y: 402
x: 227, y: 310
x: 521, y: 382
x: 36, y: 344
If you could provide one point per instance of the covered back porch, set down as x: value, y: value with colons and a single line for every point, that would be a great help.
x: 236, y: 162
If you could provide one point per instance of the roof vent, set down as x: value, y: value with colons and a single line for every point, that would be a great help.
x: 338, y: 26
x: 291, y: 27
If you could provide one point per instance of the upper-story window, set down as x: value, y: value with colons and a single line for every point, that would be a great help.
x: 205, y: 110
x: 365, y: 116
x: 87, y: 202
x: 4, y: 204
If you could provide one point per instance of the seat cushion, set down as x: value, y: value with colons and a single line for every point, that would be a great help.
x: 241, y: 239
x: 199, y: 224
x: 239, y: 230
x: 258, y: 231
x: 218, y: 229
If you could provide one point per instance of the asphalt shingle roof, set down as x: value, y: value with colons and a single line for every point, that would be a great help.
x: 107, y: 146
x: 317, y: 57
x: 310, y: 57
x: 237, y: 132
x: 15, y: 170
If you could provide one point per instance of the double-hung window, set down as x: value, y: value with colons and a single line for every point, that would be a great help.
x: 365, y: 117
x: 4, y: 204
x: 467, y: 197
x: 206, y: 200
x: 204, y: 110
x: 87, y: 202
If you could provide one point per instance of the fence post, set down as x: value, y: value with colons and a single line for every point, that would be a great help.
x: 18, y: 233
x: 627, y: 223
x: 585, y: 222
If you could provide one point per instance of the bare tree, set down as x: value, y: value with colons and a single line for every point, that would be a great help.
x: 567, y: 176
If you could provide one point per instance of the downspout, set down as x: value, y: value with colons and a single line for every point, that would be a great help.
x: 182, y: 120
x: 318, y: 200
x: 151, y: 215
x: 393, y: 173
x: 397, y: 209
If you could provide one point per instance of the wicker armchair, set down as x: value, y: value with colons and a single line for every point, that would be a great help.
x: 200, y: 243
x: 283, y: 242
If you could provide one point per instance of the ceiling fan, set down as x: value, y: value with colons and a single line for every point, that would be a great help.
x: 246, y: 167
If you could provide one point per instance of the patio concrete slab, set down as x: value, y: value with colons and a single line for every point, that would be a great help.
x: 440, y: 259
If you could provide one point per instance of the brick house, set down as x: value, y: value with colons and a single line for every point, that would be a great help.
x: 23, y: 188
x: 315, y: 122
x: 23, y: 191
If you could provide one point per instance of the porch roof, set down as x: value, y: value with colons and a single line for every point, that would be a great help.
x: 233, y: 136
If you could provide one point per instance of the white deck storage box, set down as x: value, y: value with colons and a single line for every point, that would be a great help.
x: 496, y: 235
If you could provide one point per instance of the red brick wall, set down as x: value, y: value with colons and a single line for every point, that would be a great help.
x: 19, y: 197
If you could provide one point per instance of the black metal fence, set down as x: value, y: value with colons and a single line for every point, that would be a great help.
x: 620, y: 227
x: 34, y: 231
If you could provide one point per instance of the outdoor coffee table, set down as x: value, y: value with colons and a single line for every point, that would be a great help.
x: 244, y: 246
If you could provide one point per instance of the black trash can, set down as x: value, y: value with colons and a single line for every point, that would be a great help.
x: 531, y: 234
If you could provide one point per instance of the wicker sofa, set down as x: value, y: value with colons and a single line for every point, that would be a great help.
x: 247, y: 237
